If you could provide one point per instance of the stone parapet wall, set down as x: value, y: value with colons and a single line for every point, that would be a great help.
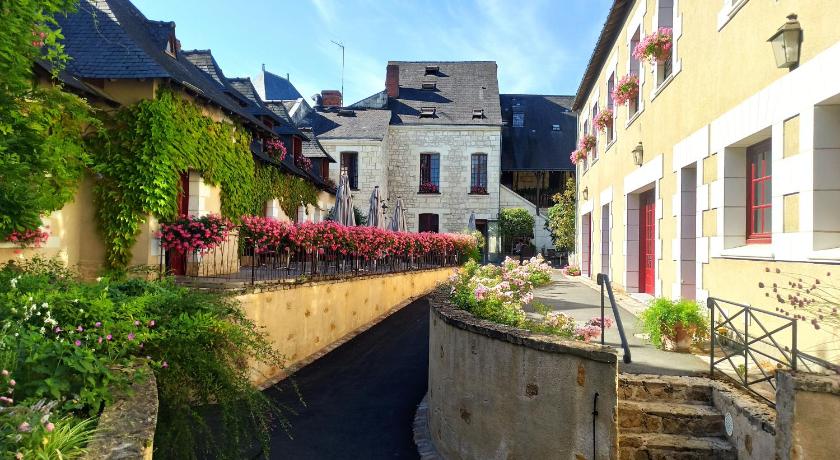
x: 306, y: 320
x: 807, y: 406
x: 502, y: 392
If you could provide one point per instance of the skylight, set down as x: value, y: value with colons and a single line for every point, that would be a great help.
x: 427, y: 112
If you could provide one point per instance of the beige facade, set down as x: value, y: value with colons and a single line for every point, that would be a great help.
x: 723, y: 95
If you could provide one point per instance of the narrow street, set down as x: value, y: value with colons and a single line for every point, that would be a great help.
x: 360, y: 398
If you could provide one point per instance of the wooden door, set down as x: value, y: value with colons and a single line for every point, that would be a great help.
x: 647, y: 247
x: 178, y: 259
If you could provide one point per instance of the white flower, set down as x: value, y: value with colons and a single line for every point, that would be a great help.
x: 98, y: 279
x: 45, y: 305
x: 13, y: 282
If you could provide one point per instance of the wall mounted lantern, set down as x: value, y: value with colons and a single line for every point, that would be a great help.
x: 638, y: 154
x: 785, y: 43
x: 585, y: 194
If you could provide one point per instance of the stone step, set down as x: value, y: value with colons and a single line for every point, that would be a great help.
x: 669, y: 418
x: 679, y: 389
x: 657, y: 446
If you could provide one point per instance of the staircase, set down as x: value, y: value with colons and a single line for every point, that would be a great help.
x: 663, y: 417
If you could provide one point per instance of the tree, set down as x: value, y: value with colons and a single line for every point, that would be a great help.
x: 561, y: 218
x: 515, y: 223
x: 42, y: 150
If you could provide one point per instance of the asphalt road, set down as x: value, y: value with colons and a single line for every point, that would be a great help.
x: 360, y: 398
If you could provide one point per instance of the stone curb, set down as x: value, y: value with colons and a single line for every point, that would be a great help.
x: 422, y: 434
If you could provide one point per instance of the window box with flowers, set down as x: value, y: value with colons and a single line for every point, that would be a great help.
x: 28, y: 238
x: 603, y: 120
x: 478, y: 190
x: 626, y: 90
x: 656, y: 47
x: 429, y: 188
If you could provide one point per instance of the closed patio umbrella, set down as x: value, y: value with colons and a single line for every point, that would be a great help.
x: 398, y: 222
x: 375, y: 217
x: 344, y: 203
x: 471, y: 222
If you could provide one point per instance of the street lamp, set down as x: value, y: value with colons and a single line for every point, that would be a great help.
x: 638, y: 154
x: 785, y: 43
x: 585, y: 194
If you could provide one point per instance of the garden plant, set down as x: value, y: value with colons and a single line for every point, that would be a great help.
x: 675, y: 324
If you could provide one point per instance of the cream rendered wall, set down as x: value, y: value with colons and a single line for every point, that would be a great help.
x: 726, y: 93
x: 455, y: 145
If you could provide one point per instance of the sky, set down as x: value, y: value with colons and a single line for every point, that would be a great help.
x: 541, y: 46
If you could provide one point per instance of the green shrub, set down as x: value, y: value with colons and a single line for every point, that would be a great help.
x: 63, y: 339
x: 664, y: 314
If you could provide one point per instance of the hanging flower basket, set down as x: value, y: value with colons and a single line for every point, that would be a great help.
x: 28, y: 238
x: 603, y: 120
x: 303, y: 162
x: 276, y: 149
x: 577, y: 155
x: 626, y: 90
x: 194, y: 234
x: 655, y: 47
x: 587, y: 143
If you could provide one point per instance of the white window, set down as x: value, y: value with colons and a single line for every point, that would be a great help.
x: 611, y: 107
x: 665, y: 20
x: 636, y: 69
x: 729, y: 10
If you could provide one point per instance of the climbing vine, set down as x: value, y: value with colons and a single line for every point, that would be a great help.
x: 289, y: 190
x: 145, y: 147
x: 141, y: 154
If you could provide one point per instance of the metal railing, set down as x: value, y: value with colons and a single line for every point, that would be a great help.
x: 756, y: 343
x: 604, y: 282
x: 239, y: 263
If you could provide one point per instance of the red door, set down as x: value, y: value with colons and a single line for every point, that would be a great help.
x: 647, y: 248
x: 178, y: 259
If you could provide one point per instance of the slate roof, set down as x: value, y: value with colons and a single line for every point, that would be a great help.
x: 73, y: 84
x: 536, y: 146
x: 280, y: 109
x: 356, y: 124
x: 272, y: 87
x: 314, y: 149
x: 246, y: 88
x: 461, y: 87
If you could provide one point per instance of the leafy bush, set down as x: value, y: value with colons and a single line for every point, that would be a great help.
x: 664, y: 315
x: 560, y: 219
x: 64, y: 341
x: 514, y: 222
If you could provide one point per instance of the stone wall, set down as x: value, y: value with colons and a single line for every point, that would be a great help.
x: 373, y: 166
x: 497, y: 392
x: 455, y: 145
x: 126, y: 429
x: 304, y: 321
x: 807, y: 406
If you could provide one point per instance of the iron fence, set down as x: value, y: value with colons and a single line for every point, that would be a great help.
x: 237, y: 262
x: 755, y: 344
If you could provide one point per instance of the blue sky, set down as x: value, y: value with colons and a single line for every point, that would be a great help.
x: 541, y: 46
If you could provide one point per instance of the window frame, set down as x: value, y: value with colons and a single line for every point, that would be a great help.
x: 765, y: 236
x: 428, y: 215
x: 635, y: 69
x: 429, y: 170
x: 352, y: 173
x: 611, y: 106
x: 478, y: 170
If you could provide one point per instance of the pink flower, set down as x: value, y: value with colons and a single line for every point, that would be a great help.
x: 24, y: 427
x: 80, y: 329
x: 109, y: 337
x: 130, y: 336
x: 12, y: 382
x: 4, y: 373
x: 136, y: 323
x: 78, y: 343
x: 98, y: 324
x: 49, y: 427
x: 165, y: 365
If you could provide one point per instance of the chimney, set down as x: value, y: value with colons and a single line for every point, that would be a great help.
x: 331, y: 98
x: 392, y: 80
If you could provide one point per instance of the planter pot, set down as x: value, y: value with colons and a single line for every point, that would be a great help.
x: 680, y: 340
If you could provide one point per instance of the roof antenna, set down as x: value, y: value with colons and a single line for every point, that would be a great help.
x: 341, y: 45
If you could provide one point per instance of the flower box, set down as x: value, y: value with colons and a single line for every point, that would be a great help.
x: 655, y: 47
x: 478, y: 190
x: 28, y: 238
x: 626, y: 90
x: 429, y: 187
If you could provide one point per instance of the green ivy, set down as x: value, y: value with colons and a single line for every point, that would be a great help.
x: 289, y: 190
x: 144, y: 148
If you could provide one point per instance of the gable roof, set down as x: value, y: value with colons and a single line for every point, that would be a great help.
x: 272, y: 87
x: 348, y: 123
x: 460, y: 88
x: 537, y: 146
x: 609, y: 33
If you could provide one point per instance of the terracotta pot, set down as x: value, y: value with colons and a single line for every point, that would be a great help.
x: 680, y: 340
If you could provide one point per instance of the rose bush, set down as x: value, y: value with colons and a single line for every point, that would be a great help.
x: 194, y: 234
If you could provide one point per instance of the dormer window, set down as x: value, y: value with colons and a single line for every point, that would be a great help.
x: 427, y: 112
x: 346, y: 113
x: 555, y: 127
x: 518, y: 119
x: 432, y: 69
x: 429, y: 84
x: 171, y: 46
x: 478, y: 114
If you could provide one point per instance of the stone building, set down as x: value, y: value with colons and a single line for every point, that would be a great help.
x: 434, y: 138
